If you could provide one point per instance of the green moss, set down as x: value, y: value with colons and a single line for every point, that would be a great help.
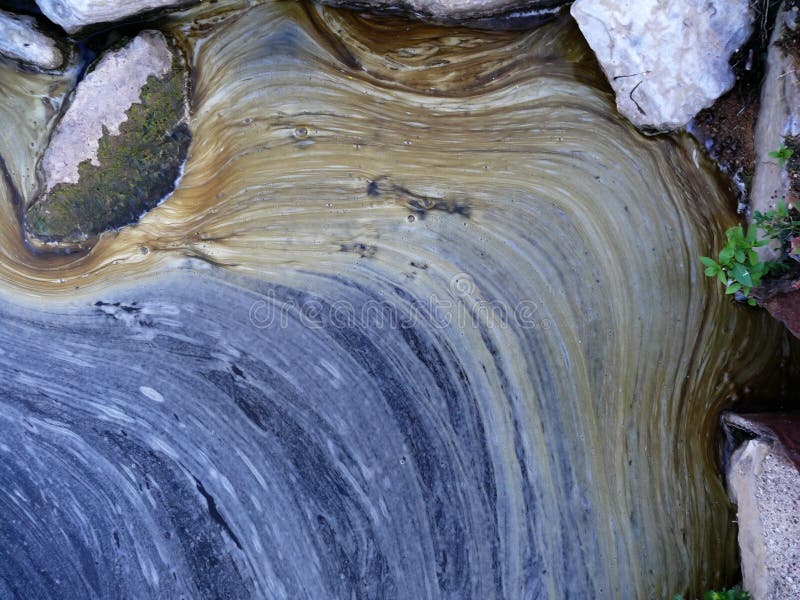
x: 137, y: 169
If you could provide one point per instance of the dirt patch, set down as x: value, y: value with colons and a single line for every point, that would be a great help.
x: 727, y: 129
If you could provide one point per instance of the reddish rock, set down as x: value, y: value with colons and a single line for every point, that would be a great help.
x: 781, y: 297
x: 781, y: 430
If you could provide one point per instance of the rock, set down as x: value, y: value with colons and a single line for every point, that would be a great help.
x: 778, y: 117
x: 665, y: 59
x: 455, y: 10
x: 764, y: 483
x: 22, y: 41
x: 118, y: 148
x: 774, y: 180
x: 74, y: 15
x: 781, y: 297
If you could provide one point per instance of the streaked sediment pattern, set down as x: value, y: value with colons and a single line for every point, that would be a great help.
x: 424, y: 319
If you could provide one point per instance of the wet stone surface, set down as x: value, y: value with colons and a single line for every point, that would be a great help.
x: 77, y: 15
x: 21, y: 40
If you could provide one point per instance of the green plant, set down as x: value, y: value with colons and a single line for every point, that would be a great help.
x: 782, y: 154
x: 739, y: 267
x: 731, y: 594
x: 781, y: 224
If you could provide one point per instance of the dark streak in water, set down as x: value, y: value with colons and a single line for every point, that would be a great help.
x: 214, y: 512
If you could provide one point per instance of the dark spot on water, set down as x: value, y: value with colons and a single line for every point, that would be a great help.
x: 363, y: 250
x: 237, y: 371
x: 421, y: 205
x: 372, y: 189
x: 419, y: 265
x: 128, y: 308
x: 215, y: 514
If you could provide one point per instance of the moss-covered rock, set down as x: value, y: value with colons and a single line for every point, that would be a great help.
x: 136, y: 162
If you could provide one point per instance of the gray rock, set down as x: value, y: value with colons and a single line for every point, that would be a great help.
x: 450, y: 10
x: 74, y: 15
x: 765, y: 485
x: 118, y: 147
x: 665, y: 59
x: 763, y: 476
x: 778, y: 117
x: 22, y: 41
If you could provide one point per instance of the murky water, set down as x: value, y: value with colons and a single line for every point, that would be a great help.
x: 424, y: 319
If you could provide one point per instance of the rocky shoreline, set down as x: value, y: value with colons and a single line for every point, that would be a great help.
x: 117, y: 147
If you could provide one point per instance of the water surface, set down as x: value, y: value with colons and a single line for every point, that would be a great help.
x: 424, y: 319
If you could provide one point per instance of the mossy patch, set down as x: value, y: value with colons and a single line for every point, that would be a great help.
x: 137, y: 168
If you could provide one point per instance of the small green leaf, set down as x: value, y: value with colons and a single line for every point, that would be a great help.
x: 723, y: 278
x: 733, y: 288
x: 782, y: 154
x: 726, y: 254
x: 753, y: 256
x: 709, y: 262
x: 742, y: 275
x: 751, y: 301
x: 735, y: 235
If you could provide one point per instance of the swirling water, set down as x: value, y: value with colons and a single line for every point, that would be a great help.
x: 424, y: 319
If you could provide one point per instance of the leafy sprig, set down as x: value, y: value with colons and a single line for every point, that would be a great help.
x: 739, y: 267
x: 782, y: 154
x: 781, y: 224
x: 724, y: 594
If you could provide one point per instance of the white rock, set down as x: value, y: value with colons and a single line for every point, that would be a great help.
x: 665, y: 59
x: 20, y: 40
x: 765, y: 486
x: 778, y: 117
x: 74, y: 15
x: 100, y: 103
x: 457, y: 9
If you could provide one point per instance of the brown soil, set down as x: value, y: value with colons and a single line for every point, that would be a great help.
x: 727, y: 128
